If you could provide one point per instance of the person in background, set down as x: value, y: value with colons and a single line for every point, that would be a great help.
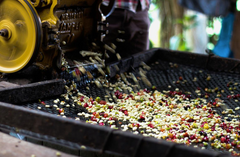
x: 226, y: 9
x: 128, y: 27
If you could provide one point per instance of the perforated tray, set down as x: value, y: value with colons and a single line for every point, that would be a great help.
x: 166, y: 68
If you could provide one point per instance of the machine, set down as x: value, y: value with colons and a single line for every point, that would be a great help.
x: 40, y: 32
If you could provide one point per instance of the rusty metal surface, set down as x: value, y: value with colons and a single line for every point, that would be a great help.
x: 32, y: 91
x: 97, y: 137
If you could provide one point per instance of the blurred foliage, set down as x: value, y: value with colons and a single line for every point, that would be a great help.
x: 177, y: 39
x: 212, y: 35
x: 188, y: 22
x: 150, y: 42
x: 169, y: 13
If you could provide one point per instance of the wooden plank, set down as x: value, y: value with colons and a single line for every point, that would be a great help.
x: 13, y: 147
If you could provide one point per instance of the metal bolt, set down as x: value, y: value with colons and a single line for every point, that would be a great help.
x: 4, y: 33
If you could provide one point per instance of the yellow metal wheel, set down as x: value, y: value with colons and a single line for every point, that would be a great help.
x: 20, y: 35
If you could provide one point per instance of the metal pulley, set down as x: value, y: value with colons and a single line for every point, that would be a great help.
x: 40, y: 31
x: 20, y: 35
x: 40, y: 3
